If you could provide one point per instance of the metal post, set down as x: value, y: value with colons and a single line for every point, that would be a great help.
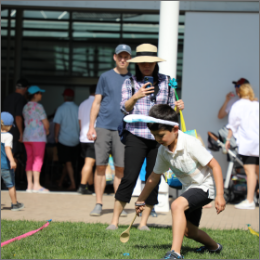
x: 70, y: 43
x: 8, y: 53
x: 168, y: 37
x: 18, y: 45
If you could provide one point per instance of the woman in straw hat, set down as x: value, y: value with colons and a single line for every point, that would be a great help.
x: 243, y: 122
x: 140, y: 143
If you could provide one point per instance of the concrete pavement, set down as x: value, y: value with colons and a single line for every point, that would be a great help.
x: 70, y: 206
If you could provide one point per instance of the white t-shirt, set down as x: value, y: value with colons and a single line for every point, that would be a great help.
x: 188, y: 163
x: 7, y: 139
x: 243, y: 120
x: 230, y: 103
x: 84, y: 116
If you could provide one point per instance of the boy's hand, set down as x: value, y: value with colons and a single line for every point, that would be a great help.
x: 139, y: 207
x: 13, y: 165
x: 220, y: 203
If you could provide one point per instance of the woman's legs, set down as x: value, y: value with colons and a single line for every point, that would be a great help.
x: 29, y: 164
x: 135, y: 152
x: 38, y: 152
x: 152, y: 199
x: 250, y: 170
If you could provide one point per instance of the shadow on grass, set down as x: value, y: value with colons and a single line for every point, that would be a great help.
x: 184, y: 249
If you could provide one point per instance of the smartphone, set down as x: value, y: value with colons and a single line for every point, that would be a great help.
x: 148, y: 79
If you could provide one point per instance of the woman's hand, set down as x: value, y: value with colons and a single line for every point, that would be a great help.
x: 227, y: 145
x: 179, y: 104
x: 220, y: 203
x: 143, y: 91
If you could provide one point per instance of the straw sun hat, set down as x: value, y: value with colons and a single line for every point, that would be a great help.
x: 146, y: 53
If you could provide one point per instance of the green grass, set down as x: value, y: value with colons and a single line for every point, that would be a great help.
x: 65, y: 240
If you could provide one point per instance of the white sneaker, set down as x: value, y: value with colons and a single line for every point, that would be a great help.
x: 245, y: 205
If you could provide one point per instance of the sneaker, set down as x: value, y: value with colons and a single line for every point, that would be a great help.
x: 96, y: 211
x: 173, y: 255
x: 17, y: 206
x: 123, y: 214
x: 202, y: 249
x: 83, y: 191
x: 245, y: 205
x: 153, y: 213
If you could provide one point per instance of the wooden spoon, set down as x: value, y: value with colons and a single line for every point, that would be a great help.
x: 124, y: 237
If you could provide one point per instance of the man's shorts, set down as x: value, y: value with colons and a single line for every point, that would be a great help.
x: 67, y: 153
x: 249, y: 159
x: 88, y: 150
x: 108, y: 142
x: 197, y: 198
x: 8, y: 177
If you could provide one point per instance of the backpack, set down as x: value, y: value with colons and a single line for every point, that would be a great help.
x: 121, y: 128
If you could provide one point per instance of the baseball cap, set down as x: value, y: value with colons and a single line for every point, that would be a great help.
x: 68, y: 92
x: 240, y: 81
x: 7, y: 118
x: 22, y: 83
x: 35, y: 89
x: 123, y: 47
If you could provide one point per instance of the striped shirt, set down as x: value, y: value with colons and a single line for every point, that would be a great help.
x: 143, y: 105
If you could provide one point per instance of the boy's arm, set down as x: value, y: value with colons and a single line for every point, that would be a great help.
x: 152, y: 181
x: 220, y: 202
x: 10, y: 157
x: 56, y: 132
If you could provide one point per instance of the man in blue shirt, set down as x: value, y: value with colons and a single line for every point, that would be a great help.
x: 66, y: 132
x: 106, y: 110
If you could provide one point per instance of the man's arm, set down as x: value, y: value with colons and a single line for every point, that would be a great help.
x: 220, y: 202
x: 56, y: 132
x: 92, y: 135
x: 19, y: 124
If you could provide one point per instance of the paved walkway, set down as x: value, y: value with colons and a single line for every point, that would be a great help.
x: 76, y: 208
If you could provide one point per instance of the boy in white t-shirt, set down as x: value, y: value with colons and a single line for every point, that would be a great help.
x: 7, y: 160
x: 195, y: 167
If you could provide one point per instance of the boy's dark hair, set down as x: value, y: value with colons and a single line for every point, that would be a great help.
x: 92, y: 89
x: 164, y: 112
x: 139, y: 75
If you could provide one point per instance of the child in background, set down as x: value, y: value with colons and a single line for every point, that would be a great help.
x: 191, y: 163
x: 7, y: 160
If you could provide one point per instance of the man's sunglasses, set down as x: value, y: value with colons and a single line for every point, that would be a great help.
x: 237, y: 86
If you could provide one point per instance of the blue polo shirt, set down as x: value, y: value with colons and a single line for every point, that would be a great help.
x: 67, y: 116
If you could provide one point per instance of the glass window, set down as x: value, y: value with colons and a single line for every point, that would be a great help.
x: 4, y: 23
x: 141, y: 18
x: 52, y: 25
x: 57, y: 15
x: 102, y: 17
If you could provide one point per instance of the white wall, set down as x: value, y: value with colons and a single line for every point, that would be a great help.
x: 218, y: 49
x: 53, y: 98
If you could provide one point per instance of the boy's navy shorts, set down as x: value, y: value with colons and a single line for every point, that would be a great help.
x: 8, y: 177
x: 197, y: 198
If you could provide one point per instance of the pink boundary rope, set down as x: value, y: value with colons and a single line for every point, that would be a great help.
x: 25, y: 235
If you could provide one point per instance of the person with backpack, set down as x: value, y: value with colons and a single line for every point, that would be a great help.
x: 140, y: 143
